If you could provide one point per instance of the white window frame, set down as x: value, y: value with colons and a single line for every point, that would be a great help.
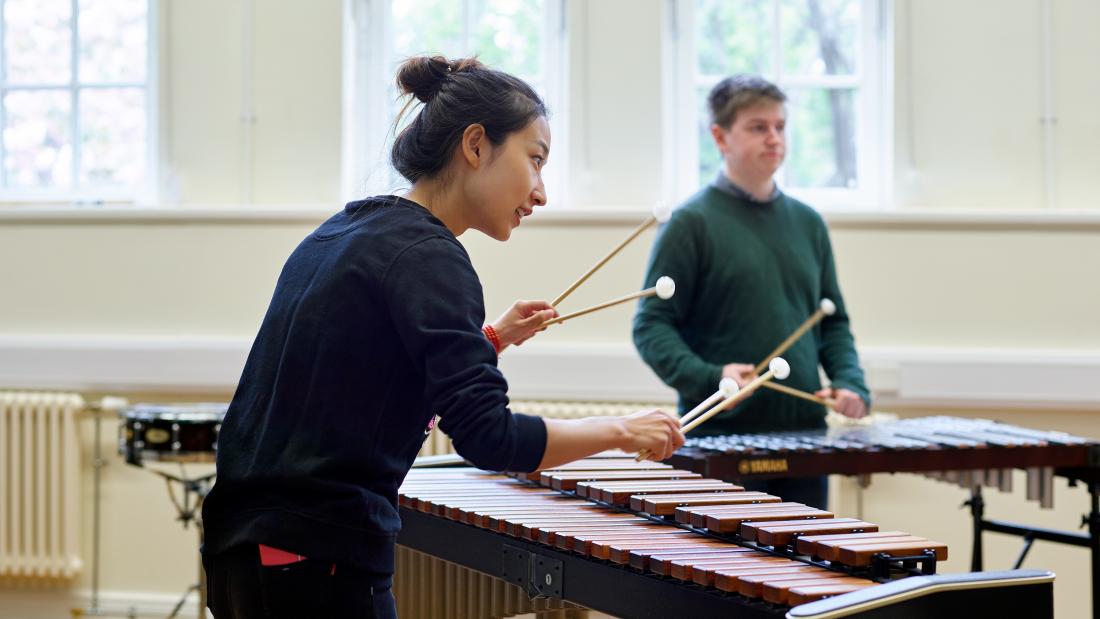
x: 142, y: 193
x: 367, y: 80
x: 874, y: 105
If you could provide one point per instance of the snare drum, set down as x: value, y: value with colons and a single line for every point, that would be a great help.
x: 170, y: 432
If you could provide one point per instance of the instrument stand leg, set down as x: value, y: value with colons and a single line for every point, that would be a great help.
x: 188, y: 512
x: 1094, y: 545
x: 98, y: 462
x: 202, y: 574
x: 977, y: 512
x: 1028, y: 541
x: 183, y: 600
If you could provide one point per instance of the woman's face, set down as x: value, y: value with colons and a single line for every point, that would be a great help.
x: 507, y: 189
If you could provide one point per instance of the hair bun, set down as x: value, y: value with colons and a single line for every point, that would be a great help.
x: 423, y: 76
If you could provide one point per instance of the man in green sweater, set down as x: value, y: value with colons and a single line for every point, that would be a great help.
x: 751, y: 264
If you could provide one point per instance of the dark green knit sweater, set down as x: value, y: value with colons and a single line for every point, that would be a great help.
x: 747, y: 275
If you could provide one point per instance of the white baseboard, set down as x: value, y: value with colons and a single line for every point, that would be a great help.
x: 932, y: 377
x: 148, y: 364
x: 145, y: 603
x: 941, y: 377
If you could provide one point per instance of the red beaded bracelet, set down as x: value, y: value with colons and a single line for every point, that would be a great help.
x: 494, y: 339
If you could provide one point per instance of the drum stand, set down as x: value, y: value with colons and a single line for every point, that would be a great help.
x: 195, y: 490
x: 97, y: 466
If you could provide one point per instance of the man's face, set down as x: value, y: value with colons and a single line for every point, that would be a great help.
x: 755, y: 144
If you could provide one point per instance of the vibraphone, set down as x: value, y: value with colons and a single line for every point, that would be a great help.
x: 970, y: 452
x: 649, y: 540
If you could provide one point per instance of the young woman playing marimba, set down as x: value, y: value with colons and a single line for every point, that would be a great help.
x: 375, y: 327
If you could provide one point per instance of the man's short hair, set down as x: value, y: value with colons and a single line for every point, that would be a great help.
x: 737, y: 92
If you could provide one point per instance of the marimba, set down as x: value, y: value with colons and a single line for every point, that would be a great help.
x: 426, y: 586
x: 648, y: 540
x: 969, y: 452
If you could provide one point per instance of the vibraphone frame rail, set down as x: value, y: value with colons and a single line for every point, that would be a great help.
x: 1091, y: 540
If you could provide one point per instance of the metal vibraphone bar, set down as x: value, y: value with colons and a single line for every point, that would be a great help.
x: 672, y: 543
x: 971, y: 453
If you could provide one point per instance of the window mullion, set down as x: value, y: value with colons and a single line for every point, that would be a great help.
x: 777, y: 43
x: 150, y: 185
x: 684, y: 100
x: 71, y: 85
x: 74, y: 95
x: 777, y: 69
x: 3, y: 100
x: 466, y: 17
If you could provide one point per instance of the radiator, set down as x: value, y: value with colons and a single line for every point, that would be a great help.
x: 426, y: 587
x: 39, y: 489
x: 437, y: 443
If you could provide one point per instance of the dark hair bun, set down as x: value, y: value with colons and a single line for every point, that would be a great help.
x: 423, y: 76
x: 455, y: 94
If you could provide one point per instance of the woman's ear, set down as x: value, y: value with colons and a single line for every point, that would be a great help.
x: 473, y: 142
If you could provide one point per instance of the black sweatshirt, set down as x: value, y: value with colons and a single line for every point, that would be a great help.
x: 374, y: 327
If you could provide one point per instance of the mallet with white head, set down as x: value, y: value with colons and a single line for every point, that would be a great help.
x: 825, y: 308
x: 661, y: 213
x: 727, y: 388
x: 663, y: 289
x: 778, y: 369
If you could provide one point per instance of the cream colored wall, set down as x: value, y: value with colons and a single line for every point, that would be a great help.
x: 969, y: 101
x: 294, y: 95
x: 967, y: 136
x: 615, y: 103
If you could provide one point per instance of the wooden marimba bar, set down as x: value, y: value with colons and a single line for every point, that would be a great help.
x: 712, y: 547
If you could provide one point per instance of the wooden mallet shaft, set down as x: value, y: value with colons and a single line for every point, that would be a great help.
x: 729, y: 402
x: 726, y: 388
x: 826, y: 308
x: 688, y: 424
x: 665, y: 288
x: 692, y: 414
x: 648, y: 292
x: 652, y: 219
x: 798, y: 393
x: 704, y: 405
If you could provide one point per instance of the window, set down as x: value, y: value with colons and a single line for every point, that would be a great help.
x: 75, y: 99
x: 522, y: 37
x: 828, y: 56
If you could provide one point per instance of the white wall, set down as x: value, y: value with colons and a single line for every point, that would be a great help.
x: 967, y: 136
